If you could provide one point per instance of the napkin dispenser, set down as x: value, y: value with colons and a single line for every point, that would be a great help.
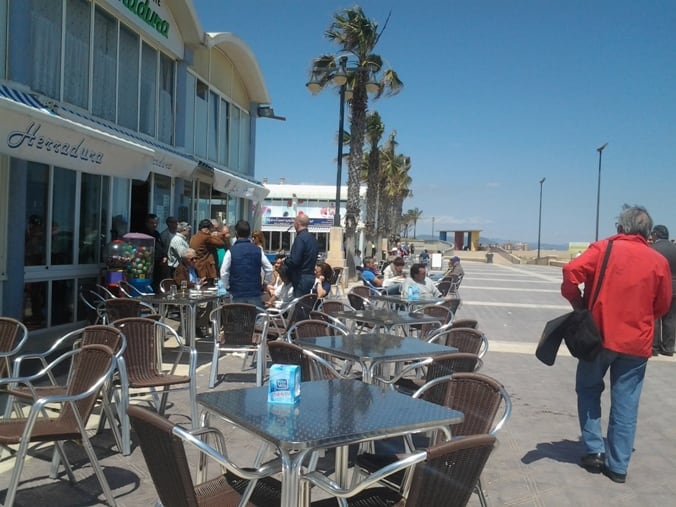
x: 284, y: 383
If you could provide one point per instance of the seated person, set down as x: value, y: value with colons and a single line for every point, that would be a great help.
x: 283, y: 292
x: 454, y: 268
x: 358, y: 263
x: 393, y: 275
x: 186, y: 270
x: 426, y: 287
x: 323, y: 275
x: 371, y: 278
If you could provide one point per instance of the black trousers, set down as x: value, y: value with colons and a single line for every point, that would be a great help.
x: 665, y: 331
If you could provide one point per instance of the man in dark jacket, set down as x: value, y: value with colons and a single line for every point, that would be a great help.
x: 665, y: 328
x: 303, y: 257
x: 242, y: 267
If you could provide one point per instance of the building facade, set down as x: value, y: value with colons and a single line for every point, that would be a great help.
x: 109, y: 110
x: 285, y: 201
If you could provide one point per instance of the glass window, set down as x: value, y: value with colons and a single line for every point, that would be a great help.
x: 161, y: 197
x: 201, y: 118
x: 76, y: 54
x: 224, y: 128
x: 35, y: 305
x: 84, y: 312
x: 127, y: 93
x: 63, y: 216
x: 244, y: 144
x: 213, y: 126
x: 120, y: 208
x: 148, y: 90
x: 166, y: 103
x: 37, y: 186
x: 190, y: 84
x: 105, y: 65
x: 90, y: 219
x: 234, y: 138
x: 3, y: 40
x: 45, y: 51
x: 184, y: 205
x: 203, y: 201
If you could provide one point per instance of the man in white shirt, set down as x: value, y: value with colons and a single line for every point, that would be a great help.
x: 426, y: 287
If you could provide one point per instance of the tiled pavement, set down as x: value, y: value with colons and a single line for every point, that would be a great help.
x: 535, y: 463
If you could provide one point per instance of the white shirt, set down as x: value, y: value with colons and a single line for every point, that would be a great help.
x: 177, y: 247
x: 428, y: 289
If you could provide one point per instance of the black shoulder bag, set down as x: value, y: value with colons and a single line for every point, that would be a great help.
x: 576, y: 328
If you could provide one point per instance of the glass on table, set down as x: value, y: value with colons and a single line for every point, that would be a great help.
x: 184, y: 286
x: 172, y: 291
x: 198, y: 285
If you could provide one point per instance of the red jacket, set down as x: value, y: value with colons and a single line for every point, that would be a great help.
x: 635, y: 291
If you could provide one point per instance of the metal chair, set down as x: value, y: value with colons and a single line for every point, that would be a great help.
x: 452, y: 304
x: 474, y: 324
x: 465, y: 339
x: 163, y: 444
x: 235, y: 329
x: 312, y: 366
x: 128, y: 290
x: 317, y: 315
x: 13, y: 336
x: 444, y: 314
x: 360, y: 290
x: 122, y: 308
x: 95, y: 367
x: 92, y: 299
x: 446, y: 478
x: 337, y: 282
x: 90, y: 335
x: 281, y: 319
x: 444, y: 286
x: 141, y: 369
x: 311, y: 328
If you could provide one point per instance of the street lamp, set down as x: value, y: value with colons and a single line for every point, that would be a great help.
x: 540, y: 216
x: 322, y: 74
x: 598, y: 190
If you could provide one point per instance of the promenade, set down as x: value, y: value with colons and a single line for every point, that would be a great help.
x: 535, y: 463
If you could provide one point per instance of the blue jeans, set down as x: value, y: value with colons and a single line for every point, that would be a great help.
x: 626, y: 382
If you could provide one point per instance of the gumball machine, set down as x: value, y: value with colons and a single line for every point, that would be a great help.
x: 140, y: 268
x: 117, y: 256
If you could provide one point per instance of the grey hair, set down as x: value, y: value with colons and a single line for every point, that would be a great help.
x: 634, y: 220
x: 188, y: 251
x: 183, y: 226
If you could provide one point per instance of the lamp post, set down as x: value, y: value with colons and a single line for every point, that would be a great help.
x: 540, y: 216
x: 598, y: 191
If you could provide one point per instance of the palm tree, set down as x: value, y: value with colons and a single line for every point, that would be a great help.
x: 374, y: 132
x: 397, y: 184
x: 414, y: 215
x: 357, y: 36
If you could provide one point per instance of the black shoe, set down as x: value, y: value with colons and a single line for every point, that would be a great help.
x: 615, y: 477
x: 655, y: 353
x: 667, y: 353
x: 593, y: 463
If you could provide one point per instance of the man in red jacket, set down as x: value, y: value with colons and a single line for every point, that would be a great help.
x: 635, y: 291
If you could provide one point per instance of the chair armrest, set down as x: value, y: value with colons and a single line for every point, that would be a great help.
x: 506, y: 414
x: 331, y: 487
x: 405, y: 371
x: 429, y: 385
x: 191, y: 437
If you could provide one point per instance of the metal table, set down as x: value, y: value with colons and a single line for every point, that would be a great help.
x: 373, y: 350
x: 330, y: 413
x: 186, y: 300
x: 386, y: 319
x: 394, y: 299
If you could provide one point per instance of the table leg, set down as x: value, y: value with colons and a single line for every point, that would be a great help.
x: 291, y: 473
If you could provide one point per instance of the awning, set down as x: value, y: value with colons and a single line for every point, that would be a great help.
x: 31, y: 131
x: 238, y: 185
x: 166, y: 160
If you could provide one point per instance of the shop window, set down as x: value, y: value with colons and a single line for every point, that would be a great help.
x: 127, y: 94
x: 91, y: 220
x: 201, y: 118
x: 37, y: 186
x: 243, y: 163
x: 148, y: 90
x: 35, y: 305
x: 63, y: 302
x: 213, y: 126
x: 45, y: 53
x: 190, y: 84
x: 119, y: 208
x: 63, y: 217
x: 105, y: 65
x: 161, y: 197
x: 223, y: 138
x: 165, y: 126
x: 235, y: 116
x: 76, y: 53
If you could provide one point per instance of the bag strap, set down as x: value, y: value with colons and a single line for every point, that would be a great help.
x: 601, y: 275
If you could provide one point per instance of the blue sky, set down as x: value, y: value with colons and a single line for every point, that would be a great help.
x: 498, y: 94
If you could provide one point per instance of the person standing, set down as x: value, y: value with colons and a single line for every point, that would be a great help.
x: 160, y: 266
x: 242, y: 267
x: 635, y: 291
x: 170, y: 231
x: 178, y: 245
x: 665, y: 328
x: 303, y: 257
x: 205, y: 242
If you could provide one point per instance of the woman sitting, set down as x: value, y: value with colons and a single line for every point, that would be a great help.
x: 322, y: 285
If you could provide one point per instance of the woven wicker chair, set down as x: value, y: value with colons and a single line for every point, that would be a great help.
x: 474, y: 324
x: 360, y: 290
x: 444, y: 314
x: 465, y: 339
x: 122, y: 308
x: 444, y: 287
x: 90, y: 335
x: 141, y: 370
x: 13, y: 336
x: 92, y: 298
x: 477, y: 396
x: 311, y: 328
x: 239, y: 327
x: 312, y: 366
x: 317, y: 315
x: 164, y: 443
x: 95, y: 366
x: 446, y: 478
x: 452, y: 304
x: 281, y: 319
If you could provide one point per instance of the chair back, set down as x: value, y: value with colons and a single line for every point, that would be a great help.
x: 91, y: 297
x: 444, y: 286
x: 361, y: 290
x: 160, y: 446
x: 13, y: 336
x: 312, y: 366
x: 443, y: 366
x: 129, y: 290
x: 474, y: 324
x: 357, y: 301
x: 317, y: 315
x: 92, y: 365
x: 465, y: 339
x: 329, y: 306
x: 312, y: 328
x: 166, y: 285
x: 122, y: 308
x: 301, y: 309
x: 237, y: 323
x: 452, y: 304
x: 336, y: 276
x: 439, y: 312
x: 450, y: 473
x: 141, y: 357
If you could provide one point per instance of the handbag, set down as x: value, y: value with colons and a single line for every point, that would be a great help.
x: 576, y: 328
